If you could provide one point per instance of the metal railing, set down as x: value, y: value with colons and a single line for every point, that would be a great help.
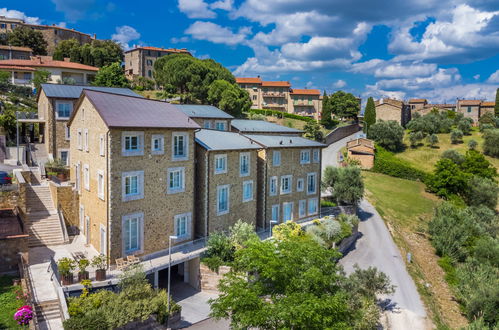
x: 26, y: 274
x: 62, y: 222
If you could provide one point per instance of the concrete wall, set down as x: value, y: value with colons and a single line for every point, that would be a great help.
x: 341, y: 132
x: 9, y: 249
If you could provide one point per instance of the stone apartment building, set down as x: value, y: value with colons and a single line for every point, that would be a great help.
x: 289, y: 176
x: 392, y: 109
x: 15, y: 53
x: 133, y: 167
x: 207, y: 116
x: 247, y: 126
x: 139, y: 61
x: 278, y: 95
x: 226, y: 180
x: 55, y: 106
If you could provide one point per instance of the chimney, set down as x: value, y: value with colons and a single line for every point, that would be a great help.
x: 95, y: 36
x: 381, y: 101
x: 66, y: 59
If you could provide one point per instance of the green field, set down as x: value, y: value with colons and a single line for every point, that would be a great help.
x: 424, y: 157
x: 8, y: 303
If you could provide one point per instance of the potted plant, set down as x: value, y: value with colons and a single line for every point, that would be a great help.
x: 100, y: 263
x: 65, y: 266
x: 82, y: 269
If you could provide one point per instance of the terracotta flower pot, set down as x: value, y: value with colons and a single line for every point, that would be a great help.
x: 67, y: 279
x: 83, y: 276
x: 100, y: 275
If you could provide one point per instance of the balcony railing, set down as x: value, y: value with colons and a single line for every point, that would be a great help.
x: 303, y: 104
x: 273, y: 105
x: 273, y: 94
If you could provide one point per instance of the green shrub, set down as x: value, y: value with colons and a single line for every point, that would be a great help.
x: 450, y: 271
x: 279, y: 114
x: 327, y: 203
x: 456, y: 136
x: 219, y: 251
x: 386, y: 163
x: 94, y: 319
x: 491, y: 142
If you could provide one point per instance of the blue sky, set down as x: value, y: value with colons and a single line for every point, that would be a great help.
x: 435, y: 49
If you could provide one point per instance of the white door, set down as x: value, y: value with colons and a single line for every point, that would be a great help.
x: 103, y: 240
x: 287, y: 212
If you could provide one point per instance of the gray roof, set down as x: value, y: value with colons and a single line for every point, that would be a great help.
x: 128, y: 111
x: 203, y: 111
x: 282, y: 141
x: 224, y: 140
x: 261, y: 126
x: 74, y: 91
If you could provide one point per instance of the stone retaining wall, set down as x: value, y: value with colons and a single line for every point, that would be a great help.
x: 67, y: 199
x: 341, y: 132
x: 210, y: 279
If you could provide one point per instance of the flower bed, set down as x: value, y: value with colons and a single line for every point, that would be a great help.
x: 11, y: 298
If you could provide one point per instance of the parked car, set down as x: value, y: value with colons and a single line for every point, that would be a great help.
x: 5, y: 178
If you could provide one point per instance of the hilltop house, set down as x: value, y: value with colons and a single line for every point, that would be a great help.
x: 392, y: 109
x: 139, y: 61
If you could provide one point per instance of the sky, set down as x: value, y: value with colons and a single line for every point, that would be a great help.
x: 435, y: 49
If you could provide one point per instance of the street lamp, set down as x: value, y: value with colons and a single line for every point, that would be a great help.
x: 17, y: 137
x: 170, y: 239
x: 272, y: 222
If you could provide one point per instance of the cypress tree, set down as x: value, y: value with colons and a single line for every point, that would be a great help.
x: 496, y: 107
x: 326, y: 120
x: 369, y: 114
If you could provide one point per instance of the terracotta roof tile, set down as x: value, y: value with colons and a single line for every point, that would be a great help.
x: 17, y: 48
x: 241, y: 80
x: 13, y: 67
x: 418, y: 100
x: 306, y: 91
x: 488, y: 104
x: 48, y: 63
x: 276, y: 84
x: 469, y: 102
x: 393, y: 102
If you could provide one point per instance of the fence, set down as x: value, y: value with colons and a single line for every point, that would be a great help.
x: 341, y: 132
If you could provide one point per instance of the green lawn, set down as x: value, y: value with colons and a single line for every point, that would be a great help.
x: 424, y: 157
x: 8, y: 303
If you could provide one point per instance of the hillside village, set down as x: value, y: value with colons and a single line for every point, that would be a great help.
x: 150, y: 188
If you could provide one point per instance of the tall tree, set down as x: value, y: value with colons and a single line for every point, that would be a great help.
x: 326, y: 119
x: 496, y: 107
x: 369, y: 114
x: 389, y: 134
x: 344, y: 105
x: 99, y: 53
x: 229, y: 97
x: 345, y: 183
x: 26, y: 37
x: 111, y: 75
x: 313, y: 131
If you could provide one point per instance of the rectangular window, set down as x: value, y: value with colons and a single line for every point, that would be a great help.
x: 80, y: 139
x: 299, y: 185
x: 247, y: 191
x: 132, y: 185
x: 220, y: 164
x: 275, y: 212
x: 64, y: 109
x: 182, y: 225
x: 67, y: 133
x: 180, y: 146
x: 254, y: 97
x: 64, y: 156
x: 302, y: 208
x: 286, y: 182
x: 316, y: 156
x: 132, y: 233
x: 273, y: 186
x: 102, y: 145
x: 305, y: 157
x: 311, y: 183
x: 157, y: 144
x: 244, y: 164
x: 287, y: 211
x: 176, y: 180
x: 222, y: 199
x: 100, y: 184
x: 469, y: 109
x: 312, y: 206
x: 207, y: 124
x: 132, y: 143
x: 276, y: 158
x: 220, y: 125
x: 86, y: 176
x: 86, y: 139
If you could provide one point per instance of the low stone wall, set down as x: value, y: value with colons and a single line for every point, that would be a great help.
x: 9, y: 199
x: 210, y: 279
x: 341, y: 132
x: 67, y: 199
x: 9, y: 252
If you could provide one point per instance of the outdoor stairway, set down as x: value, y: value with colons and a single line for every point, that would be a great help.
x: 45, y: 228
x: 47, y: 310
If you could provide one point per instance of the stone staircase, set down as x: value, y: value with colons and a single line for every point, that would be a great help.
x: 47, y: 310
x: 45, y: 228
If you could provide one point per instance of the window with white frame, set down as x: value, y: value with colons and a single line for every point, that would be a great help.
x: 180, y: 146
x: 220, y: 164
x: 132, y: 143
x: 207, y: 124
x: 80, y: 139
x: 86, y: 176
x: 286, y: 183
x: 244, y: 164
x: 67, y: 133
x: 313, y: 206
x: 316, y: 156
x: 100, y: 184
x: 176, y: 180
x: 287, y: 211
x: 133, y: 233
x: 182, y: 225
x: 247, y: 190
x: 64, y: 156
x: 223, y: 199
x: 311, y: 183
x: 276, y: 158
x: 157, y: 144
x: 86, y: 139
x: 275, y: 212
x: 302, y: 208
x: 64, y: 109
x: 132, y: 185
x: 273, y: 186
x: 102, y: 145
x: 299, y: 185
x: 220, y: 125
x: 305, y: 156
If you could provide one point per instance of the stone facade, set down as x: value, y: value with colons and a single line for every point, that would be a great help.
x: 211, y: 122
x: 391, y: 109
x: 470, y: 109
x: 210, y: 279
x: 207, y: 220
x: 15, y: 53
x: 67, y: 199
x: 139, y: 62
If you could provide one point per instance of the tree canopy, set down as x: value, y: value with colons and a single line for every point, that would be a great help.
x: 25, y: 37
x: 228, y: 97
x: 369, y: 114
x: 496, y: 106
x: 342, y: 104
x: 313, y: 131
x: 389, y: 134
x: 97, y: 53
x: 326, y: 119
x: 345, y: 183
x: 111, y: 75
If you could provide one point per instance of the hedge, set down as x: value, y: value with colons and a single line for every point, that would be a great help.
x: 386, y: 163
x: 280, y: 114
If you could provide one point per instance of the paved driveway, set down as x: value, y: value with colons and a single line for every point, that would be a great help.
x: 330, y: 155
x: 375, y: 247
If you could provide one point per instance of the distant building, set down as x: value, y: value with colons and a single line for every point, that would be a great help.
x: 15, y: 53
x: 278, y: 95
x: 139, y: 62
x: 392, y: 109
x: 247, y: 126
x: 207, y: 116
x: 487, y: 107
x: 361, y: 150
x: 472, y: 109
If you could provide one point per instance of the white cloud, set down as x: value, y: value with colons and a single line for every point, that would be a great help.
x: 222, y: 4
x: 494, y: 78
x: 19, y: 15
x: 179, y: 40
x: 196, y: 9
x: 74, y: 10
x: 476, y: 77
x: 62, y: 24
x: 217, y: 34
x: 124, y: 34
x: 340, y: 84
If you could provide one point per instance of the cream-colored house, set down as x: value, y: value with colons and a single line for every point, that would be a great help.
x: 470, y: 109
x: 132, y: 163
x: 226, y: 180
x: 363, y: 151
x: 392, y: 109
x: 289, y: 176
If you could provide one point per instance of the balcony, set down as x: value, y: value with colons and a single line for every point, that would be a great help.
x: 273, y: 94
x: 22, y: 82
x: 274, y: 106
x: 303, y: 103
